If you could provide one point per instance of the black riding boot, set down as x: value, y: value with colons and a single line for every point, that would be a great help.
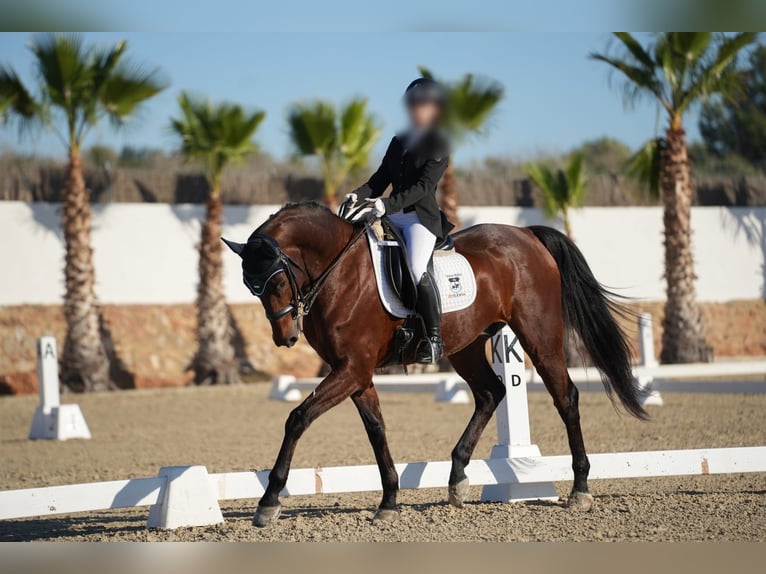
x: 429, y: 308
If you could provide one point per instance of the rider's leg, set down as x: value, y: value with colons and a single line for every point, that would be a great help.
x: 420, y: 248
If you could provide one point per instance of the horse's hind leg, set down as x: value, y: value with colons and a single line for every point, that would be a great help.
x: 543, y: 341
x: 471, y: 364
x: 369, y: 409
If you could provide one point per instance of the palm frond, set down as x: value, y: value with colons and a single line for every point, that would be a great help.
x: 562, y: 189
x: 690, y: 45
x: 216, y: 134
x: 425, y: 72
x: 82, y: 83
x: 16, y: 102
x: 359, y: 131
x: 546, y: 180
x: 125, y: 89
x: 471, y: 101
x: 644, y: 166
x: 62, y: 64
x: 342, y: 139
x: 313, y: 128
x: 633, y: 46
x: 718, y: 74
x: 575, y: 179
x: 639, y: 80
x: 678, y: 68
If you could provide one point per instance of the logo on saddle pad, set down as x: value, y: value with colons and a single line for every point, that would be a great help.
x: 456, y: 285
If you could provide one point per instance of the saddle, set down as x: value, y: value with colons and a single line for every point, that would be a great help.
x: 395, y: 264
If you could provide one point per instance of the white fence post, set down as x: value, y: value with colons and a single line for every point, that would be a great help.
x: 512, y: 415
x: 646, y: 350
x: 282, y: 389
x: 450, y: 390
x: 53, y: 420
x: 186, y: 499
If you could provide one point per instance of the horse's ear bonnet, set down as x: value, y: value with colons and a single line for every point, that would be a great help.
x: 263, y: 261
x: 237, y: 248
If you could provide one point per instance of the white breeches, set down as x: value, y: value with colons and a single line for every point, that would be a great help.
x: 420, y: 242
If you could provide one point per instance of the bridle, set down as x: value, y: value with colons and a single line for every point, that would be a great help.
x: 300, y: 301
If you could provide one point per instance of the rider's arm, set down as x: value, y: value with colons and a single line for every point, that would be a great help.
x: 379, y: 181
x: 426, y: 183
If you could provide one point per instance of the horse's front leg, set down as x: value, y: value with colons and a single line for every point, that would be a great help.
x: 337, y: 386
x: 369, y: 409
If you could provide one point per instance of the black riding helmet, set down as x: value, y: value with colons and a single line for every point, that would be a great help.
x: 425, y: 90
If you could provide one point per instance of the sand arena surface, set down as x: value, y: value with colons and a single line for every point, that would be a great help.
x: 231, y: 429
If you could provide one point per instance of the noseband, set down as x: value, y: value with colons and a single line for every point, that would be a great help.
x: 277, y: 262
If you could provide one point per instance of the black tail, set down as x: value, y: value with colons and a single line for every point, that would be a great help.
x: 588, y: 310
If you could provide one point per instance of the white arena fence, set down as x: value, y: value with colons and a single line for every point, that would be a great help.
x: 516, y: 470
x: 729, y: 247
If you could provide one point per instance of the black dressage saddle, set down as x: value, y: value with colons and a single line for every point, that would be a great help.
x: 396, y: 267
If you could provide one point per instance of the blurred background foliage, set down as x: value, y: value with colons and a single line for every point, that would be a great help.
x: 723, y: 176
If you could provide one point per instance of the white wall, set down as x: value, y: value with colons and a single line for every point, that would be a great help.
x: 146, y: 253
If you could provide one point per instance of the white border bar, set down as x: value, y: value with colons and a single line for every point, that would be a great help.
x: 310, y: 481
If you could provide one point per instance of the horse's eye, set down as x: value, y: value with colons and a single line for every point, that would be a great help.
x: 281, y: 286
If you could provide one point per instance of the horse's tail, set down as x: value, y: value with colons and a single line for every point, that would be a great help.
x: 588, y: 310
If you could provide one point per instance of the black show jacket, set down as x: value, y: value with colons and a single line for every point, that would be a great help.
x: 414, y: 176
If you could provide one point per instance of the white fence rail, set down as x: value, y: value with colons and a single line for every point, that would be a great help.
x: 139, y: 492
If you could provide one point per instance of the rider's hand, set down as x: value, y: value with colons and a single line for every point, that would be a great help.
x: 378, y: 208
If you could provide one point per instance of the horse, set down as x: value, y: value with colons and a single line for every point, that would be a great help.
x: 314, y: 275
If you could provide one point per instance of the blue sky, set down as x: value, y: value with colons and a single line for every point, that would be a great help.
x: 556, y: 97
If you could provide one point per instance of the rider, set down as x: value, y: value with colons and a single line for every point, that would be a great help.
x: 414, y: 163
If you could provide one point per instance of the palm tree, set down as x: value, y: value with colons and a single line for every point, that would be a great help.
x: 678, y: 70
x: 471, y: 102
x: 217, y: 136
x: 78, y: 87
x: 341, y: 139
x: 562, y: 190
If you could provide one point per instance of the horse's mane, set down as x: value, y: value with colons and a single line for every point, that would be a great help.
x: 294, y: 206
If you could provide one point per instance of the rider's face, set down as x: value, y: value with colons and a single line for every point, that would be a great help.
x: 423, y: 115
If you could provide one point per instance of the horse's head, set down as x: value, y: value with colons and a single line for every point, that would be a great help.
x: 269, y: 274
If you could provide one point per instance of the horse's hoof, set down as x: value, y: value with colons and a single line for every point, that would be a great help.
x: 458, y: 493
x: 265, y: 515
x: 580, y: 501
x: 384, y: 515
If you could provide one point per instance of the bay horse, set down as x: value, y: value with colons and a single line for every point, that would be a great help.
x: 314, y: 274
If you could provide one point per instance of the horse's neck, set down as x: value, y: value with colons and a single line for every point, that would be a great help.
x: 318, y: 241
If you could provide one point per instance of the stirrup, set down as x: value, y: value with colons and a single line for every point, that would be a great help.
x: 429, y: 351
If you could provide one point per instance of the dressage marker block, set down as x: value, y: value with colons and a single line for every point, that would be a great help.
x: 52, y: 420
x: 185, y: 498
x: 188, y: 496
x: 512, y: 418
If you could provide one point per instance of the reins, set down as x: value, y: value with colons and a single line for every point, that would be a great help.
x: 301, y: 303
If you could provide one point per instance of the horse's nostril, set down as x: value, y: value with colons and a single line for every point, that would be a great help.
x: 291, y: 341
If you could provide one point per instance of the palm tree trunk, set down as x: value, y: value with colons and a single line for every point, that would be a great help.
x: 683, y: 337
x: 84, y: 362
x: 448, y: 200
x: 214, y: 362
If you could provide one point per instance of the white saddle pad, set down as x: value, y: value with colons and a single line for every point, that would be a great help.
x: 453, y: 274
